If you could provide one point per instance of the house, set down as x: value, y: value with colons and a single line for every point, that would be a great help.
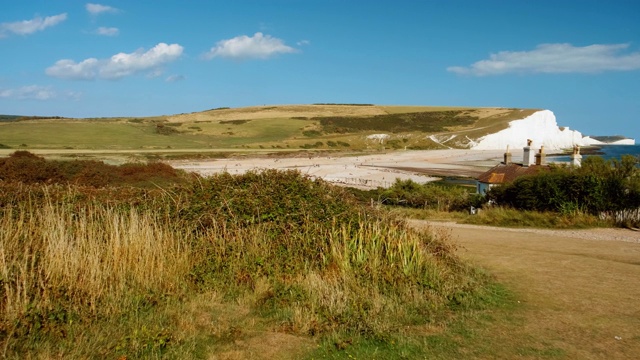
x: 507, y: 171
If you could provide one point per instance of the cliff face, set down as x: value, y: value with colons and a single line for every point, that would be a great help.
x: 543, y: 129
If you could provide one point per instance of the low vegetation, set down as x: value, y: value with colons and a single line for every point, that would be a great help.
x: 436, y: 196
x: 27, y: 168
x: 429, y: 121
x: 538, y: 201
x: 105, y: 269
x: 608, y: 189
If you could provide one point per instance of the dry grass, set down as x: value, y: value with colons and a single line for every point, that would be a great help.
x: 278, y: 111
x: 576, y: 298
x: 88, y: 272
x: 93, y: 262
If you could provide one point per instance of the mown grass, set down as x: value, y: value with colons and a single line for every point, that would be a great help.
x: 106, y: 270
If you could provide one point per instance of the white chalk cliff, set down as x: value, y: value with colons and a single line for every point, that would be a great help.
x: 542, y: 128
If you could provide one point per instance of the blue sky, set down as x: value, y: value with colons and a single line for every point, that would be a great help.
x: 580, y: 58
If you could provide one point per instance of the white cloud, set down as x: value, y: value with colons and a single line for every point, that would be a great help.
x: 27, y: 27
x: 117, y: 66
x: 96, y: 9
x: 555, y: 58
x: 36, y: 92
x: 174, y: 78
x: 258, y: 46
x: 107, y: 31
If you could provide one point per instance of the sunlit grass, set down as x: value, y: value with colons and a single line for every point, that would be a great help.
x: 88, y: 272
x: 506, y: 217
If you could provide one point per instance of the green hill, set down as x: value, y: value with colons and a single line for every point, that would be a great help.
x: 261, y: 128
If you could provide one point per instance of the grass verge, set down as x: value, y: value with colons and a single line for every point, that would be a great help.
x: 506, y: 217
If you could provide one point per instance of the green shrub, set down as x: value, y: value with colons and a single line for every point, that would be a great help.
x: 165, y: 129
x: 429, y: 121
x: 596, y: 187
x: 427, y: 196
x: 311, y: 133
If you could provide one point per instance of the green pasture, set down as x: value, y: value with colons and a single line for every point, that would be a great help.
x: 121, y: 135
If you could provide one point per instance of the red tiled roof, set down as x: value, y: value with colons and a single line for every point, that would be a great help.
x: 502, y: 173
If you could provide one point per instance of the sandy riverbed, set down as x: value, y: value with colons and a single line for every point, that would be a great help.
x: 365, y: 171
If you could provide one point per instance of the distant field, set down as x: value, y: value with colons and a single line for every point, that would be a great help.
x: 280, y: 127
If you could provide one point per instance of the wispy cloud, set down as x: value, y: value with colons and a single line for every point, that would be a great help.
x: 36, y: 92
x: 107, y: 31
x: 174, y: 78
x: 97, y: 9
x: 258, y: 46
x: 555, y: 58
x: 117, y: 66
x: 27, y: 27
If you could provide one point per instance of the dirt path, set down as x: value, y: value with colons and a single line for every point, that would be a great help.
x: 578, y: 290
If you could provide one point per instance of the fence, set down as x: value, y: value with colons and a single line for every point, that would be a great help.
x: 628, y: 216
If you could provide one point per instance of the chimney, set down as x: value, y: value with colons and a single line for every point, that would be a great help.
x: 576, y: 158
x: 528, y: 155
x: 541, y: 157
x: 507, y: 156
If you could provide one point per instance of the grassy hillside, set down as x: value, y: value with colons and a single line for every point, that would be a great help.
x: 261, y: 128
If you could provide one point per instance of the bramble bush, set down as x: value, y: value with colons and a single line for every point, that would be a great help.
x: 27, y: 168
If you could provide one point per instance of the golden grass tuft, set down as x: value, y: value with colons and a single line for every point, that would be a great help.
x: 97, y: 261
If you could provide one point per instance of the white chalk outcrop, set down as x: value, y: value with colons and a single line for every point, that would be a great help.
x: 379, y: 137
x: 587, y: 140
x: 542, y: 128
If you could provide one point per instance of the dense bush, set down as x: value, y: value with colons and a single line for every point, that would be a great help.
x: 429, y: 121
x: 285, y: 197
x: 27, y: 168
x: 597, y: 187
x: 432, y: 196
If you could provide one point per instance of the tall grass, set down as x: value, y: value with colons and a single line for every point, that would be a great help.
x: 369, y: 277
x: 57, y: 265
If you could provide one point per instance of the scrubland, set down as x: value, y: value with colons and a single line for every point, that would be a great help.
x: 191, y: 266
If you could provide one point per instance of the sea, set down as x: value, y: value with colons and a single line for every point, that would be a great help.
x: 605, y: 151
